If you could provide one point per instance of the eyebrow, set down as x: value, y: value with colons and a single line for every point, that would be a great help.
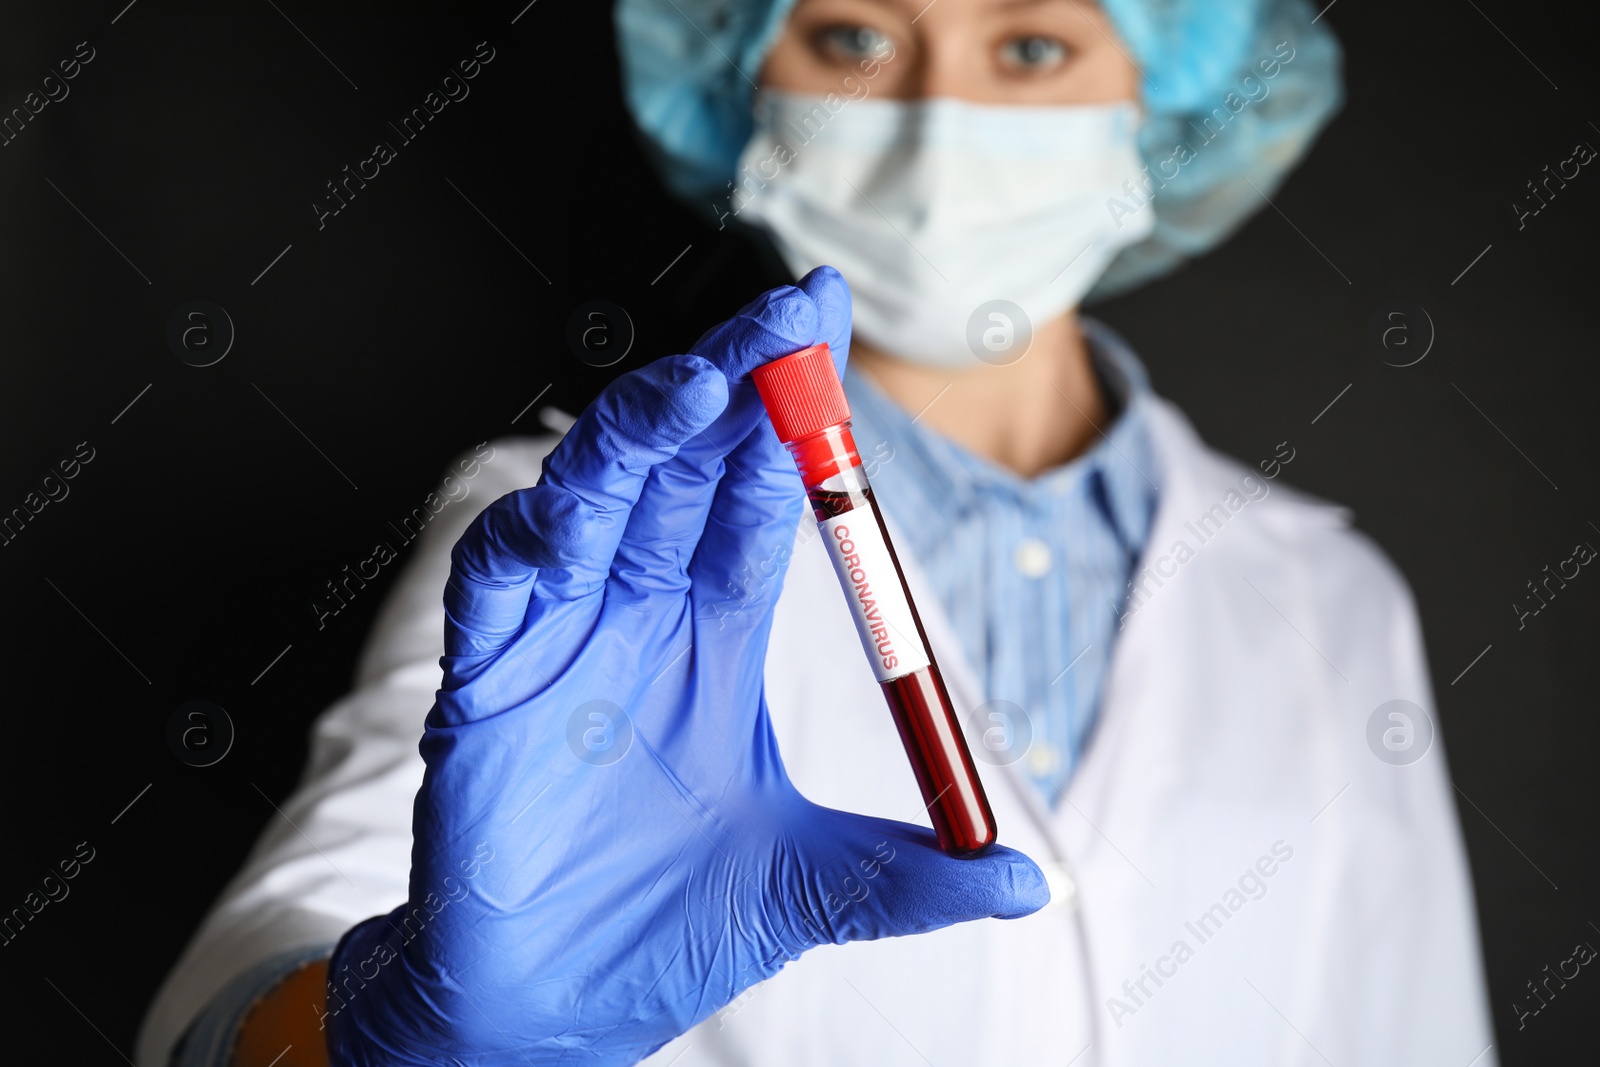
x: 1011, y: 5
x: 1007, y: 5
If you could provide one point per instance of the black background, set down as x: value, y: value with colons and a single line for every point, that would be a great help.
x: 408, y: 329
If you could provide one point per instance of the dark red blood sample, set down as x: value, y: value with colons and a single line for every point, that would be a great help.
x: 943, y: 765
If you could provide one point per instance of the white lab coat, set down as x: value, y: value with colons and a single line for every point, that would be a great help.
x: 1232, y: 734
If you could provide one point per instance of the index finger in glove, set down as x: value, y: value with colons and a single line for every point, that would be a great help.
x: 744, y: 548
x: 781, y: 321
x: 668, y: 527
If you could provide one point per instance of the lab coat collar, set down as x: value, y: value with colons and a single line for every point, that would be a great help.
x: 1193, y: 478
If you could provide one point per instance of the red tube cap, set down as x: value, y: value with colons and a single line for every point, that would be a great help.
x: 802, y: 393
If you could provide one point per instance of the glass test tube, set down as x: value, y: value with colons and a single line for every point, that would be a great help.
x: 807, y: 406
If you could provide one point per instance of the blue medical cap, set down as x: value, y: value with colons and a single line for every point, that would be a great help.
x: 1234, y: 92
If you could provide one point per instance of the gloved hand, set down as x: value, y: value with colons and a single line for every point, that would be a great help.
x: 606, y: 847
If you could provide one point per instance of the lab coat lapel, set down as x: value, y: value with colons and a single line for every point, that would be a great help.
x: 1190, y: 479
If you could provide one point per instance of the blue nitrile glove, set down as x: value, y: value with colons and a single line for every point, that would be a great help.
x: 606, y: 847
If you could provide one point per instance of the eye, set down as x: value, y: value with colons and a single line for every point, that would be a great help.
x: 1033, y: 53
x: 851, y: 42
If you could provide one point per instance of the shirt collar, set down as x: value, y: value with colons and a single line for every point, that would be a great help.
x: 926, y: 475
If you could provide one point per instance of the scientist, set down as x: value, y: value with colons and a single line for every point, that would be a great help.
x: 660, y: 811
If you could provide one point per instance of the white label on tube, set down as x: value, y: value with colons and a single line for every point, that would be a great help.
x: 877, y: 599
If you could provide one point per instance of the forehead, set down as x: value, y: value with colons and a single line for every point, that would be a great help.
x: 919, y: 9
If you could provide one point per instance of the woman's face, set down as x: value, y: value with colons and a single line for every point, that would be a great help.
x: 985, y: 51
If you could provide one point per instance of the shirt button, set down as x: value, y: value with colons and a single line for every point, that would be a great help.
x: 1032, y: 557
x: 1043, y: 759
x: 1063, y: 887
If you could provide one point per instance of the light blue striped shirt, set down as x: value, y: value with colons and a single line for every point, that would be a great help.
x: 1032, y: 572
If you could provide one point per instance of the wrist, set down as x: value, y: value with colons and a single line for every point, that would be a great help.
x: 283, y: 1028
